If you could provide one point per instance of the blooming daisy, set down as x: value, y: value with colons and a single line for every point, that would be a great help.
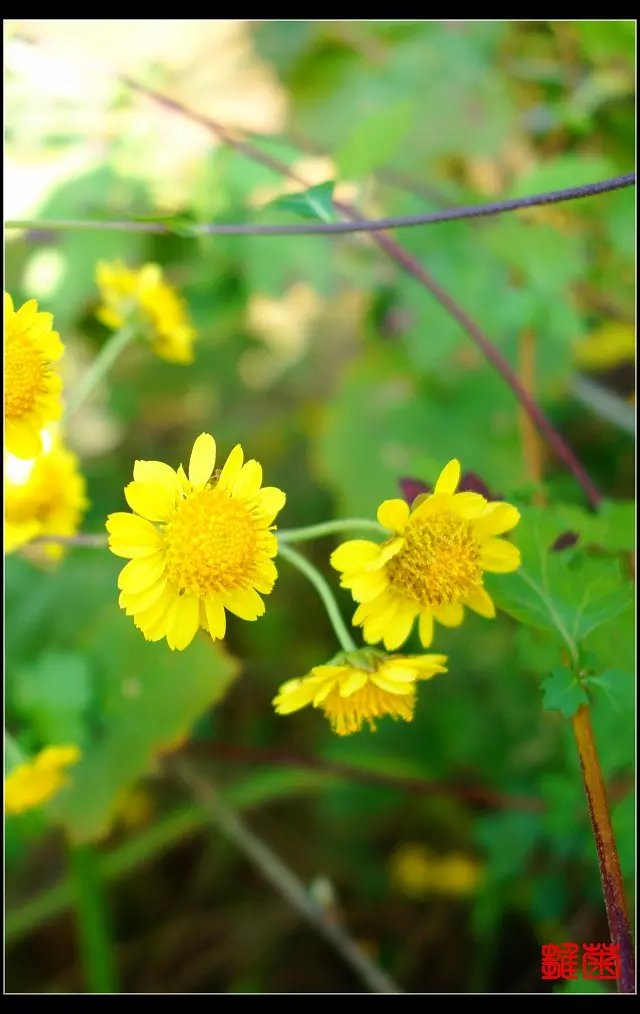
x: 35, y: 781
x: 432, y: 565
x: 162, y: 313
x: 196, y: 544
x: 44, y: 496
x: 32, y: 386
x: 360, y: 687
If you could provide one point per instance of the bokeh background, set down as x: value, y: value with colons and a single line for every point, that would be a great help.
x: 341, y: 375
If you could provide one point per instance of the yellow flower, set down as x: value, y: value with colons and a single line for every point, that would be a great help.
x: 32, y: 387
x: 126, y: 291
x: 609, y: 345
x: 416, y: 872
x: 45, y: 496
x: 35, y: 781
x: 196, y: 545
x: 360, y: 687
x: 432, y: 566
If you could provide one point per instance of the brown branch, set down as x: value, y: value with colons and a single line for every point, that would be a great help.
x: 412, y: 267
x: 475, y: 795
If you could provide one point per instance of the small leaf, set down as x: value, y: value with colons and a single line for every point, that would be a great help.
x: 563, y: 692
x: 314, y: 203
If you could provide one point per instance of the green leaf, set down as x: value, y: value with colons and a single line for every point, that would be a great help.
x: 151, y: 698
x: 563, y: 692
x: 314, y: 203
x: 374, y: 139
x: 567, y: 592
x: 52, y: 695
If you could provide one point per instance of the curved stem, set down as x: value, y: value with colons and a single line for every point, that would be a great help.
x: 92, y: 921
x: 99, y: 367
x: 328, y: 528
x: 324, y: 591
x: 331, y: 228
x: 612, y: 883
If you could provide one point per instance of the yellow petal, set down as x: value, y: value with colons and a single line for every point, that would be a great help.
x: 245, y: 603
x: 147, y: 618
x: 158, y: 473
x: 129, y: 529
x: 450, y: 615
x: 499, y: 556
x: 140, y: 601
x: 216, y: 618
x: 399, y: 628
x: 386, y: 552
x: 266, y: 578
x: 141, y: 573
x: 481, y: 602
x: 354, y: 554
x: 202, y: 461
x: 248, y: 481
x: 366, y: 587
x: 394, y: 514
x: 425, y: 627
x: 469, y: 505
x: 183, y: 622
x: 497, y: 519
x: 293, y: 695
x: 353, y: 682
x: 390, y: 686
x: 449, y: 478
x: 271, y: 500
x: 231, y: 468
x: 150, y: 500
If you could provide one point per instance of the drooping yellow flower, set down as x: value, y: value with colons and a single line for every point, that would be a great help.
x: 45, y: 496
x: 35, y: 781
x: 143, y: 294
x: 433, y: 564
x: 196, y: 545
x: 360, y: 687
x: 417, y: 872
x: 32, y: 386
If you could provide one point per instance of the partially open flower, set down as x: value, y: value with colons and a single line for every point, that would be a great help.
x: 432, y: 565
x: 359, y: 687
x: 196, y: 544
x: 35, y: 781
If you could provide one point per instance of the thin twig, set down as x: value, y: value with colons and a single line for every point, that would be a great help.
x: 476, y: 795
x: 332, y: 228
x: 412, y: 267
x: 88, y: 541
x: 284, y: 880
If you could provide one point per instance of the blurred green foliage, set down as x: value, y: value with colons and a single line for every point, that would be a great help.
x: 370, y: 382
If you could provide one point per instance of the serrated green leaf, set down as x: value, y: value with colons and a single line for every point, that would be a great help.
x: 374, y: 139
x: 314, y: 203
x: 563, y: 692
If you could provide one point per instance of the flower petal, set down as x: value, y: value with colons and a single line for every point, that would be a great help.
x: 498, y: 518
x: 499, y: 556
x: 150, y: 500
x: 245, y: 603
x: 425, y: 627
x: 399, y: 628
x: 469, y: 505
x: 202, y: 461
x: 450, y: 615
x: 231, y: 468
x: 183, y: 622
x: 353, y: 682
x: 216, y: 618
x: 354, y: 554
x: 385, y: 683
x: 157, y: 472
x: 248, y: 481
x: 449, y: 478
x: 394, y: 514
x: 481, y: 602
x: 141, y: 573
x: 271, y: 500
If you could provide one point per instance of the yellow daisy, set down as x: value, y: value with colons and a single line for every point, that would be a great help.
x: 164, y: 315
x: 432, y: 565
x: 45, y: 496
x: 32, y: 388
x: 35, y: 781
x: 360, y: 687
x: 196, y: 545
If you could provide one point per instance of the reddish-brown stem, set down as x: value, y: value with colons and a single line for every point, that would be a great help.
x: 413, y: 268
x: 612, y: 884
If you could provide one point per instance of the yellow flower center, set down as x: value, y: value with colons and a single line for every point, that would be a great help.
x: 24, y: 373
x: 347, y: 714
x: 439, y: 563
x: 211, y: 544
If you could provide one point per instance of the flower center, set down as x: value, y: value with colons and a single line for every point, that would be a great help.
x: 439, y: 563
x: 347, y: 714
x: 211, y: 544
x: 24, y: 374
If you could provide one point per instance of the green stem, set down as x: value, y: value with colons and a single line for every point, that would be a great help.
x: 100, y: 367
x: 328, y: 528
x: 324, y: 591
x: 92, y: 921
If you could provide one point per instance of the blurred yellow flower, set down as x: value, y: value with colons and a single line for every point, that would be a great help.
x: 142, y: 293
x: 360, y: 687
x: 609, y: 345
x: 35, y: 781
x: 196, y: 545
x: 32, y: 387
x: 416, y: 872
x: 45, y: 496
x: 432, y: 565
